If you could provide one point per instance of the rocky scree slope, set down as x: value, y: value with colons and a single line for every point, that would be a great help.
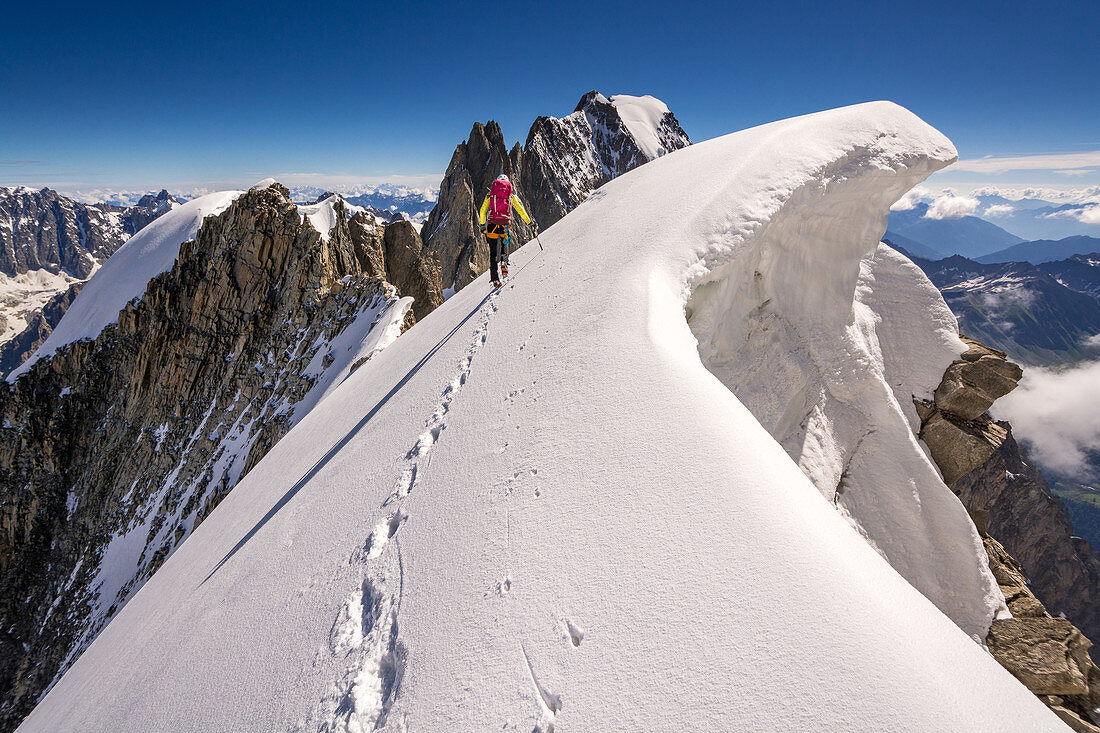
x: 116, y: 448
x: 562, y: 162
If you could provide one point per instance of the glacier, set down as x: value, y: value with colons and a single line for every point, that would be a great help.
x: 540, y: 509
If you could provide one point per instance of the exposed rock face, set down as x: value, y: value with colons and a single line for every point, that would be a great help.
x: 972, y: 384
x: 1010, y: 501
x: 114, y: 449
x: 452, y: 230
x: 566, y: 159
x: 44, y: 230
x: 411, y: 268
x: 40, y: 325
x: 1035, y: 528
x: 562, y: 162
x: 1049, y: 655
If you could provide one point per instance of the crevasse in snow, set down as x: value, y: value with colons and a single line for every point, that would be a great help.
x: 538, y: 508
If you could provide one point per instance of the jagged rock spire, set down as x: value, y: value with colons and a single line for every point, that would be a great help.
x: 562, y: 162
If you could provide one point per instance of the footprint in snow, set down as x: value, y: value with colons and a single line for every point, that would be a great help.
x: 576, y: 633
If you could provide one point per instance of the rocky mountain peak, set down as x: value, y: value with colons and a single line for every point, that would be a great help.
x: 115, y: 448
x: 590, y: 99
x: 152, y: 201
x: 562, y: 162
x: 452, y: 231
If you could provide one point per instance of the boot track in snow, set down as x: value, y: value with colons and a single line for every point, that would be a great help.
x: 366, y: 630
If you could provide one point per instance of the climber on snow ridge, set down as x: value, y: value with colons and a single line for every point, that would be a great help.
x: 498, y: 206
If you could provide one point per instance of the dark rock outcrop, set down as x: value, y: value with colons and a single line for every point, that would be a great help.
x: 134, y: 436
x: 452, y: 230
x: 1048, y: 655
x: 972, y: 384
x: 411, y: 268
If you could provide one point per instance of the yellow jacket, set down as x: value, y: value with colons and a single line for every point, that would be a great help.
x: 515, y: 204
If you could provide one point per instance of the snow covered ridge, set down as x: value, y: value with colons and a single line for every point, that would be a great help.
x: 538, y: 509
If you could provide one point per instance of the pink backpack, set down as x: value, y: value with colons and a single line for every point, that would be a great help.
x: 500, y: 202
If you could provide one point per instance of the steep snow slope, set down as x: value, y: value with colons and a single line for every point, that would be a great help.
x: 537, y: 508
x: 125, y: 273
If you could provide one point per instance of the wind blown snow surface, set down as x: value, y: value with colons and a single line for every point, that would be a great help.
x: 126, y: 273
x: 538, y: 509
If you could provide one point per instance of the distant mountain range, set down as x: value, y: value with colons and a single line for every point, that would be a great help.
x: 1044, y: 250
x: 977, y: 239
x: 1038, y: 219
x: 968, y: 236
x: 1038, y: 314
x: 995, y: 226
x: 413, y: 204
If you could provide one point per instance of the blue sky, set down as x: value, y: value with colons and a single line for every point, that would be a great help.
x: 212, y: 94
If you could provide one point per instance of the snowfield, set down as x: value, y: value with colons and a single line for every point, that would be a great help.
x: 538, y: 508
x: 642, y: 117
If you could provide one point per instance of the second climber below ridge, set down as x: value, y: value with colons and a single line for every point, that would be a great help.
x: 498, y: 207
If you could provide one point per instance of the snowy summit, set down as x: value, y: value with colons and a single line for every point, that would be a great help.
x: 543, y: 508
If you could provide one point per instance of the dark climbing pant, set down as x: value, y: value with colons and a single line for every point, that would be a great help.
x: 498, y: 237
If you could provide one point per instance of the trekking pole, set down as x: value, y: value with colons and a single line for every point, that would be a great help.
x: 539, y: 241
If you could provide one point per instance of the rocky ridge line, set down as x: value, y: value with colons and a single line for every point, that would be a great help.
x: 1022, y: 526
x: 114, y: 449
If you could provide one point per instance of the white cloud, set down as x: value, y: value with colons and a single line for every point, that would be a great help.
x: 950, y: 206
x: 1047, y: 162
x: 998, y: 210
x: 1085, y: 214
x: 1057, y: 413
x: 1074, y: 172
x: 422, y: 182
x: 914, y: 196
x: 1089, y: 215
x: 1093, y: 341
x: 1006, y: 297
x: 426, y: 185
